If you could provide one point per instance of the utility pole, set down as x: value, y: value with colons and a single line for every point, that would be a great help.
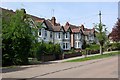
x: 52, y: 12
x: 100, y: 17
x: 22, y: 5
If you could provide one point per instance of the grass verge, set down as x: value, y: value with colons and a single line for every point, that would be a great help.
x: 95, y: 57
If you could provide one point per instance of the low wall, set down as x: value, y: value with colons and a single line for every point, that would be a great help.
x: 45, y: 58
x: 51, y: 57
x: 72, y: 55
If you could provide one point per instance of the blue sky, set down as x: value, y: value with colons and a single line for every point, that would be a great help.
x: 76, y: 13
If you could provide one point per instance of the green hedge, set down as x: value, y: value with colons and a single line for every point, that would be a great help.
x: 47, y: 49
x: 70, y: 51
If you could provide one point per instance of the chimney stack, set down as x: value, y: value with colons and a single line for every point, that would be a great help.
x: 53, y: 20
x: 67, y: 24
x: 82, y: 27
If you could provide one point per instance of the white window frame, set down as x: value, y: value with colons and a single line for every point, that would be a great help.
x: 77, y: 44
x: 39, y: 31
x: 67, y: 45
x: 45, y: 33
x: 51, y: 34
x: 58, y: 35
x: 77, y: 36
x: 67, y: 35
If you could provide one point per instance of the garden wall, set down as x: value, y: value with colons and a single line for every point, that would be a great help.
x: 72, y: 55
x: 51, y: 57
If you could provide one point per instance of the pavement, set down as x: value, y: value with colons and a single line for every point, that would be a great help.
x: 100, y: 68
x: 59, y: 61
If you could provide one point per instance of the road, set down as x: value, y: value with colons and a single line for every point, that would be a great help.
x: 100, y: 68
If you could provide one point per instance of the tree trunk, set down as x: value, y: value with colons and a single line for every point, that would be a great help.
x: 101, y: 52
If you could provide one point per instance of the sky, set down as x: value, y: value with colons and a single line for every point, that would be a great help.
x: 75, y: 13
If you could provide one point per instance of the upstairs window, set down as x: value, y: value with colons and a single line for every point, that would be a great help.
x: 67, y: 35
x: 77, y: 36
x: 39, y: 32
x: 50, y: 34
x: 59, y: 35
x: 45, y: 33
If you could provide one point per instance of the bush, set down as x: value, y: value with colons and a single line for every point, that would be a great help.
x: 91, y: 49
x: 47, y: 49
x: 72, y: 51
x: 115, y: 46
x: 94, y: 47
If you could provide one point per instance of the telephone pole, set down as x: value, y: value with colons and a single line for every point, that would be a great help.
x: 52, y: 12
x: 100, y: 17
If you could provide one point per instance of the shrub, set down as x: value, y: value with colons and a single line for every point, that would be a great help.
x: 84, y: 53
x: 115, y: 46
x: 48, y: 48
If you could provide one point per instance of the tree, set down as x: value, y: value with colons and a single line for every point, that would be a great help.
x: 101, y: 35
x: 115, y: 34
x: 17, y: 39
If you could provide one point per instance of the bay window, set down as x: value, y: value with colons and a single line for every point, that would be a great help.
x: 66, y: 45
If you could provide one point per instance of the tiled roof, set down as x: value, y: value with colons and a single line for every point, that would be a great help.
x: 66, y: 28
x: 49, y: 25
x: 7, y: 10
x: 72, y: 27
x: 57, y: 28
x: 88, y: 31
x: 75, y: 30
x: 37, y: 19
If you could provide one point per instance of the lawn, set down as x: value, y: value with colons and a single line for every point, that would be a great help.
x: 95, y: 57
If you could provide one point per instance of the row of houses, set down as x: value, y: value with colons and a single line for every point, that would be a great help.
x: 68, y: 36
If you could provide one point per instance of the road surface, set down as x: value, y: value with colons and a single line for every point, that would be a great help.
x: 100, y: 68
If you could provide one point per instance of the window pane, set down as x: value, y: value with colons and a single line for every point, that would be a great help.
x: 45, y: 33
x: 56, y: 35
x: 75, y: 44
x: 59, y: 35
x: 39, y: 32
x: 66, y: 35
x: 64, y: 45
x: 78, y: 36
x: 78, y: 44
x: 50, y: 34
